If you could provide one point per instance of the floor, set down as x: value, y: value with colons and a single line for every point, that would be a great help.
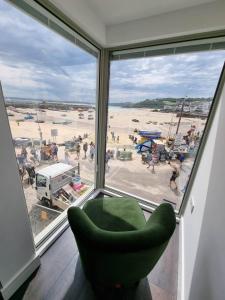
x: 60, y: 276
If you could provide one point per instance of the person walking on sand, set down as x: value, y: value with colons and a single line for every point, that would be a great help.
x: 54, y: 151
x: 78, y: 151
x: 92, y: 150
x: 66, y: 156
x: 107, y: 158
x: 24, y: 153
x: 151, y: 163
x: 173, y: 177
x: 118, y: 139
x: 85, y: 148
x: 181, y: 159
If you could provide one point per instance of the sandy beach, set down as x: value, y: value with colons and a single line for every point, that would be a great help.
x: 129, y: 176
x: 120, y: 121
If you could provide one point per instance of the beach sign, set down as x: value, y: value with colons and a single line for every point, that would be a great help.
x: 54, y: 132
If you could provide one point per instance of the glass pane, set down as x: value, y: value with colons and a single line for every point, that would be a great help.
x: 49, y: 86
x: 158, y: 108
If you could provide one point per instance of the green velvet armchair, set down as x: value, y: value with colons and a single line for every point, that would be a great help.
x: 117, y: 246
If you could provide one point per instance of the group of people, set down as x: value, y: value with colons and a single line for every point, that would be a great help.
x: 151, y: 158
x: 114, y: 137
x: 25, y: 166
x: 133, y: 138
x: 49, y: 152
x: 77, y: 150
x: 192, y: 136
x: 91, y: 147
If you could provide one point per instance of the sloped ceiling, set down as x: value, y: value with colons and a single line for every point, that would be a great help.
x: 117, y: 22
x: 113, y: 12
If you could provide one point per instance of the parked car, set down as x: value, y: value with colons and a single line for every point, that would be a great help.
x: 22, y: 141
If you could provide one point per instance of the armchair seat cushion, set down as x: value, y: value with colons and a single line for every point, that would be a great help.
x: 115, y: 214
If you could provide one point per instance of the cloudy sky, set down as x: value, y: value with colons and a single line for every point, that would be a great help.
x: 192, y: 75
x: 37, y: 63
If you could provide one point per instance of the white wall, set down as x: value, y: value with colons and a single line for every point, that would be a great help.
x: 16, y: 241
x: 203, y: 230
x: 196, y: 19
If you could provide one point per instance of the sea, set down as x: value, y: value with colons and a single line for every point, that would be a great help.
x: 38, y: 101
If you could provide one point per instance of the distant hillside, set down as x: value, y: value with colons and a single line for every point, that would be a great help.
x: 159, y: 103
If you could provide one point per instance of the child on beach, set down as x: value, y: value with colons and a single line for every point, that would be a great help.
x: 174, y: 176
x: 151, y: 163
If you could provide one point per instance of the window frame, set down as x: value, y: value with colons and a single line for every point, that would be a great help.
x: 48, y: 15
x: 189, y: 40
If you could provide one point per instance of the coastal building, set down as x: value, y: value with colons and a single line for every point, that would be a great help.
x: 48, y: 267
x: 169, y: 108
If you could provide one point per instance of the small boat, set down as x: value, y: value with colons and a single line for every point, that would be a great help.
x: 62, y: 122
x: 67, y: 122
x: 135, y: 120
x: 28, y: 117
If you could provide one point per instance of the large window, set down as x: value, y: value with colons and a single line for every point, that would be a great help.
x: 49, y: 85
x: 158, y: 109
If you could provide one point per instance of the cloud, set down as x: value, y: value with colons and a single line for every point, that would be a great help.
x: 192, y: 74
x: 36, y: 62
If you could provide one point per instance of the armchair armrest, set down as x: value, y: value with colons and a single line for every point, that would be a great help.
x: 153, y: 234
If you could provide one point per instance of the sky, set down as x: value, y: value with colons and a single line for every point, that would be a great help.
x: 36, y: 62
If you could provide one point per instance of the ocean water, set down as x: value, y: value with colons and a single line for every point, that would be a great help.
x: 38, y: 101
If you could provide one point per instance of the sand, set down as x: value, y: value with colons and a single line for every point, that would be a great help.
x: 133, y: 176
x: 120, y: 122
x: 30, y: 129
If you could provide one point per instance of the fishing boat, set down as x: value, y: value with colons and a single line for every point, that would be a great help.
x: 150, y: 134
x: 28, y: 117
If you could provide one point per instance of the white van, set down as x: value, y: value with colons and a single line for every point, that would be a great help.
x: 52, y: 185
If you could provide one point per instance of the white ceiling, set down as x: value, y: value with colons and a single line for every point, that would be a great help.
x: 113, y: 12
x: 120, y: 22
